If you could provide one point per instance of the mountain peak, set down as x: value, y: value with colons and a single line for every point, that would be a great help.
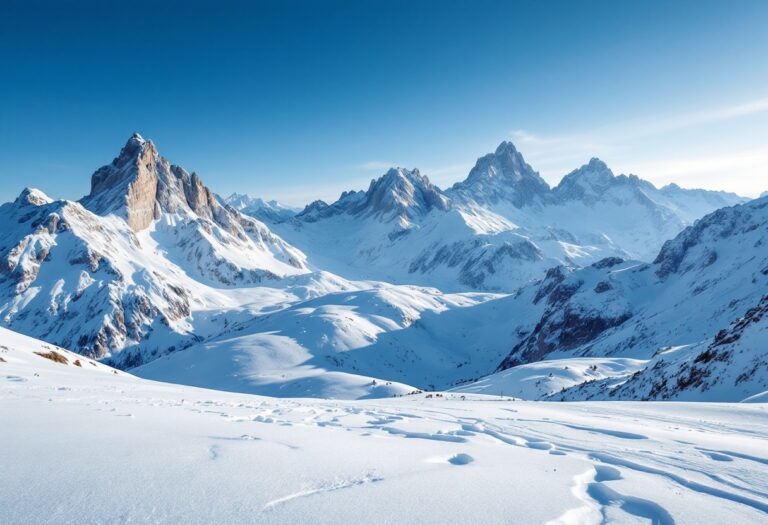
x: 587, y: 182
x: 133, y: 148
x: 506, y: 148
x: 33, y: 196
x: 503, y: 176
x: 596, y: 164
x: 136, y: 137
x: 139, y: 185
x: 400, y: 176
x: 401, y: 192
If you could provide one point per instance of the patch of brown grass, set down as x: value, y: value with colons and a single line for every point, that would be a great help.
x: 54, y: 356
x: 77, y: 363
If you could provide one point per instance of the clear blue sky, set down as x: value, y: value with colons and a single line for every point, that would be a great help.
x: 298, y: 100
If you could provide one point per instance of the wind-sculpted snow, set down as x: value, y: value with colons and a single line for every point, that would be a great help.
x: 82, y: 443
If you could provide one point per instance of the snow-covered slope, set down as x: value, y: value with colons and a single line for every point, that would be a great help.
x: 373, y: 340
x: 129, y: 265
x: 265, y: 211
x: 669, y: 312
x: 544, y: 379
x: 731, y: 366
x: 86, y: 445
x: 500, y: 228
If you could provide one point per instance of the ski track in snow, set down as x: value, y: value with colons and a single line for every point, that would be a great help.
x: 329, y: 487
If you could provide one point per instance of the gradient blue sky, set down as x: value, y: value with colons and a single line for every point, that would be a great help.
x: 300, y: 100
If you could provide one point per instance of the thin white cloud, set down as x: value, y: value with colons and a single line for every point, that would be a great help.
x: 708, y: 116
x: 628, y: 145
x: 744, y: 172
x: 655, y: 125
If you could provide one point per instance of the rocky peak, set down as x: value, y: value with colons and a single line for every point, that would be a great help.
x: 587, y: 182
x: 32, y: 196
x: 697, y: 246
x: 401, y: 192
x: 139, y: 185
x: 503, y: 176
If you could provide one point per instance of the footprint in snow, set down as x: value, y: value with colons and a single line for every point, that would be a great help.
x: 461, y: 459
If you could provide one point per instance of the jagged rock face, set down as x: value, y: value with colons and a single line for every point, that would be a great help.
x: 62, y: 279
x: 401, y: 193
x: 570, y: 320
x: 594, y: 180
x: 129, y: 185
x: 731, y: 366
x: 667, y: 312
x: 503, y: 175
x: 696, y: 246
x: 139, y: 185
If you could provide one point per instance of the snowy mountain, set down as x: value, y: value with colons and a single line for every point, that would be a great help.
x: 694, y: 314
x: 405, y: 230
x: 574, y: 327
x: 265, y: 211
x: 503, y: 176
x: 500, y: 228
x: 128, y: 265
x: 154, y: 273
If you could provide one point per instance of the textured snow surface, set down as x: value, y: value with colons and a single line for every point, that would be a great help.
x: 83, y: 444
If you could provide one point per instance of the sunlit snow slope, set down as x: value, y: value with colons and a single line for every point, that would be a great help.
x: 83, y: 444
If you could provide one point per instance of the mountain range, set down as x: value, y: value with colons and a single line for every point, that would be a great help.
x: 500, y: 228
x: 492, y: 285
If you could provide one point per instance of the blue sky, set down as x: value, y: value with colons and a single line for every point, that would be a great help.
x: 301, y: 100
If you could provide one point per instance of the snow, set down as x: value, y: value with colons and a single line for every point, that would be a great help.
x: 542, y: 379
x: 336, y: 345
x: 88, y: 445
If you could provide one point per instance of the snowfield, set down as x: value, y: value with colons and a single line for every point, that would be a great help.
x: 83, y: 443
